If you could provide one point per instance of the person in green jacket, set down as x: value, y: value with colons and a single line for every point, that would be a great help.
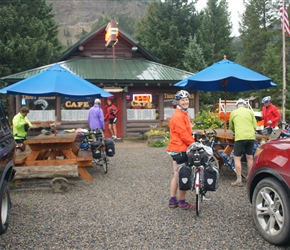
x: 243, y: 124
x: 21, y: 125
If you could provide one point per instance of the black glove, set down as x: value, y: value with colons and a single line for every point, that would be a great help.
x: 26, y: 127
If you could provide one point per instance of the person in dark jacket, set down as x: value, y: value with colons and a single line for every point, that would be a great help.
x: 111, y: 114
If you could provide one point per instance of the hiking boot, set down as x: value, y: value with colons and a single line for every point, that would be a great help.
x: 186, y: 206
x: 237, y: 183
x: 173, y: 204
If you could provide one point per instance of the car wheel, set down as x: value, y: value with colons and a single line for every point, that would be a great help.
x: 5, y: 205
x: 271, y: 211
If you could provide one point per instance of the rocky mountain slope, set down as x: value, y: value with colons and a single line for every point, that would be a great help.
x: 76, y: 16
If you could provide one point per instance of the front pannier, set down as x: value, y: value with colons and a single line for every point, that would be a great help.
x: 211, y: 178
x: 184, y: 177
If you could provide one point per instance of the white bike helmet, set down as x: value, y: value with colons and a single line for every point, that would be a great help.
x: 241, y: 102
x: 97, y: 101
x: 181, y: 94
x: 266, y: 99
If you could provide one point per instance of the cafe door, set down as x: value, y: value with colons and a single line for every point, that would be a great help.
x: 117, y: 101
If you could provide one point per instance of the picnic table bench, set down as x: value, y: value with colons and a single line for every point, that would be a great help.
x: 55, y: 150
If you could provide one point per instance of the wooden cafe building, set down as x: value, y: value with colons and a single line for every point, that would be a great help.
x: 107, y: 57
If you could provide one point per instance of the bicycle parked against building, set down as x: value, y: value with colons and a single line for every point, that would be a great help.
x: 101, y: 148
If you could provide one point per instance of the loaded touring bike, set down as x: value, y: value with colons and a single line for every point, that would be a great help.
x: 204, y: 176
x: 100, y: 148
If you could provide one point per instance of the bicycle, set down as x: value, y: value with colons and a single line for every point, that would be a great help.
x: 199, y: 157
x: 97, y: 147
x: 220, y: 152
x: 285, y: 132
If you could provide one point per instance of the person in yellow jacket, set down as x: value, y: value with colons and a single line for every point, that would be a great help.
x: 243, y: 124
x: 21, y: 125
x: 180, y: 138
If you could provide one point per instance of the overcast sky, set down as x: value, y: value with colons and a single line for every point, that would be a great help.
x: 236, y: 8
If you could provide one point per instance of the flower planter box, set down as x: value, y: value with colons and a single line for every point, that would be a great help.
x: 152, y: 139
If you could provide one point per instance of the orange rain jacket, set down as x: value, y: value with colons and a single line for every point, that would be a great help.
x: 180, y: 132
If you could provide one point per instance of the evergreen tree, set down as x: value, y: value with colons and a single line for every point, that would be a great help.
x: 28, y: 35
x: 272, y: 68
x: 165, y: 29
x: 257, y: 30
x: 214, y: 32
x: 193, y: 60
x: 262, y: 45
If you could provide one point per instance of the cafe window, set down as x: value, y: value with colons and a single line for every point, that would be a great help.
x: 42, y: 103
x: 170, y: 104
x: 41, y: 108
x: 142, y: 106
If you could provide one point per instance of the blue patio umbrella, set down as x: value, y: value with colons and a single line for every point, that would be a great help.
x: 54, y: 81
x: 226, y: 76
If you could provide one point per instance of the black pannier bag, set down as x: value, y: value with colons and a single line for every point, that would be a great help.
x: 110, y: 147
x: 96, y: 147
x: 211, y: 178
x: 197, y: 156
x: 184, y: 177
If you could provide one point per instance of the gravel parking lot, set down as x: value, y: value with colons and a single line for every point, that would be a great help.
x: 128, y: 209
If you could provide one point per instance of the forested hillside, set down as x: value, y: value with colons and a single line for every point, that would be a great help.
x: 77, y: 17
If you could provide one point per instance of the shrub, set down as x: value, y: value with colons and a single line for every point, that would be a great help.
x: 158, y: 144
x: 210, y: 120
x: 155, y: 130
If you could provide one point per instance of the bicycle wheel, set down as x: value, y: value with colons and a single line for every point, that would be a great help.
x: 215, y: 162
x: 197, y: 194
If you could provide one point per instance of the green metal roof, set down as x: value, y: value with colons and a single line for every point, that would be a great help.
x: 101, y: 70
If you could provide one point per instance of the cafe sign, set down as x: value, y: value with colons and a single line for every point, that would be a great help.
x: 112, y: 33
x: 142, y: 100
x: 70, y: 105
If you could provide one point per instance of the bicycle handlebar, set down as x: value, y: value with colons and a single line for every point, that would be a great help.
x: 98, y: 133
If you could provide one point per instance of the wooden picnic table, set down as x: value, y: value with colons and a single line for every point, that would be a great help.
x: 228, y: 138
x: 55, y: 150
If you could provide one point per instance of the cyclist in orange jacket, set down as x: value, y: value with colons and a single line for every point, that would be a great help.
x: 180, y: 138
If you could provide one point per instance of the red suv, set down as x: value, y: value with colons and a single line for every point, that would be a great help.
x: 268, y: 187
